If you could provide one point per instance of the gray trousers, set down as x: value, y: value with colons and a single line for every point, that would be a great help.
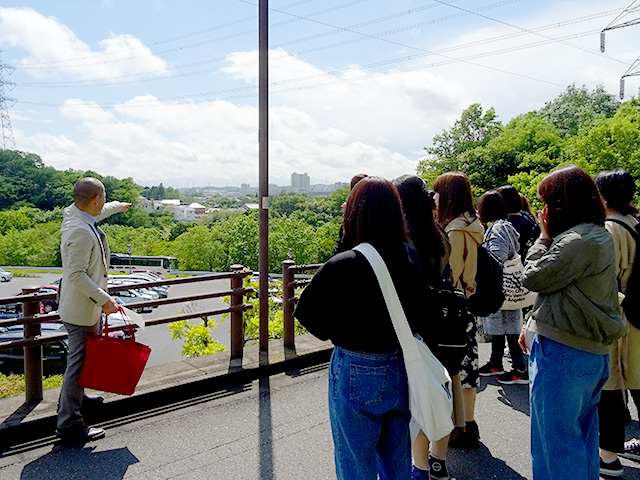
x: 70, y: 400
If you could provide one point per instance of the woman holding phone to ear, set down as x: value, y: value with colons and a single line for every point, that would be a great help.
x: 575, y: 318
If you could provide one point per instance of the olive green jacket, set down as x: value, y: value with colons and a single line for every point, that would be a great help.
x: 575, y: 277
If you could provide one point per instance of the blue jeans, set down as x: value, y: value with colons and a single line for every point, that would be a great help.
x: 565, y: 392
x: 369, y: 413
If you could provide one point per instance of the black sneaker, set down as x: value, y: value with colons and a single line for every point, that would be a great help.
x: 613, y: 469
x: 515, y: 377
x: 489, y: 370
x: 465, y: 437
x: 437, y: 469
x: 418, y: 473
x: 631, y: 449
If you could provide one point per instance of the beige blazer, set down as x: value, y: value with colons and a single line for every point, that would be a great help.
x: 85, y: 263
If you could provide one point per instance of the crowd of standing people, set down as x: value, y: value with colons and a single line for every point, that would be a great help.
x: 577, y: 258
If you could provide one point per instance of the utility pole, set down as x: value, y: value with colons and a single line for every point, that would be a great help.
x: 634, y: 69
x: 263, y: 169
x: 6, y: 102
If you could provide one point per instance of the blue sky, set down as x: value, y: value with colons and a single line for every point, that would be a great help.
x: 166, y: 91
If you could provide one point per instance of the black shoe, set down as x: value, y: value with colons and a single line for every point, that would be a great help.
x: 631, y: 449
x: 79, y: 433
x: 92, y: 400
x: 490, y: 370
x: 515, y: 377
x: 438, y: 469
x: 613, y: 469
x: 467, y: 437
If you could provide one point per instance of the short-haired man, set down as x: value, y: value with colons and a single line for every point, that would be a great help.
x: 83, y: 295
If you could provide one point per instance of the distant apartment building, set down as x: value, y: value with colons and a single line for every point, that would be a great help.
x: 300, y: 183
x: 181, y: 213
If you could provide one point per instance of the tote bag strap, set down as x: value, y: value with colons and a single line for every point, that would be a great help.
x: 396, y: 312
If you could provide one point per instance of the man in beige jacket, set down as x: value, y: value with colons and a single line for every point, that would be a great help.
x: 83, y: 295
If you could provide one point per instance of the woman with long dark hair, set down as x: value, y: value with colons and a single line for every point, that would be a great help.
x: 429, y: 457
x: 618, y: 188
x: 368, y: 392
x: 575, y: 318
x: 457, y: 217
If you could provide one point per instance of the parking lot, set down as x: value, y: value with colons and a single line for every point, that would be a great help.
x: 164, y: 348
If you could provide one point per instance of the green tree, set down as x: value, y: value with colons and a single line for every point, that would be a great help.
x: 290, y: 238
x: 578, y: 108
x: 611, y: 143
x: 287, y: 203
x: 201, y: 248
x: 35, y: 246
x: 473, y: 129
x: 527, y: 143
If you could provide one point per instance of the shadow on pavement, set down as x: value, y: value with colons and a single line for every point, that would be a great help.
x: 514, y: 396
x: 266, y: 427
x: 479, y: 464
x: 64, y: 463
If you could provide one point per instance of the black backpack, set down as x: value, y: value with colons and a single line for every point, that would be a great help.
x: 631, y: 302
x: 489, y: 295
x: 449, y: 332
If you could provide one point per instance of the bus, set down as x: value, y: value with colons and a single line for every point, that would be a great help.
x: 123, y: 262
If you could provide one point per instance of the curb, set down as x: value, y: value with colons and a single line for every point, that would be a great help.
x: 226, y: 374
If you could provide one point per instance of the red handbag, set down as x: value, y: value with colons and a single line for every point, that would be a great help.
x: 114, y: 364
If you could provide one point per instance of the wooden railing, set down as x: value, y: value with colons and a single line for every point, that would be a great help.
x: 31, y: 318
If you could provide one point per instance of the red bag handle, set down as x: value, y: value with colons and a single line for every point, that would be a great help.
x: 127, y: 323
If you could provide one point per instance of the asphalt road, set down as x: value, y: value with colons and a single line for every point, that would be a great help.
x: 164, y: 348
x: 272, y: 428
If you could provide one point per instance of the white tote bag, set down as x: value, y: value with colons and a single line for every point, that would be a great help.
x: 515, y: 294
x: 430, y: 399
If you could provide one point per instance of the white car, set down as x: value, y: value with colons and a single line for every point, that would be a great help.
x: 5, y: 276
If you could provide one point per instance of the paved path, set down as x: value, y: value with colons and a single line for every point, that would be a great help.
x: 273, y: 428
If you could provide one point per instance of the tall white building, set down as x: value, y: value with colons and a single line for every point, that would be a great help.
x: 300, y: 182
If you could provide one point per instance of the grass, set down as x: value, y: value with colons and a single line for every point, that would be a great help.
x: 13, y: 384
x: 32, y: 273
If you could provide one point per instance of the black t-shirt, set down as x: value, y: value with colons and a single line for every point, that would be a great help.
x: 344, y: 302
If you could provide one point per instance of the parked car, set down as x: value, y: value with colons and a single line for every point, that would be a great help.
x: 11, y: 310
x: 130, y: 296
x: 155, y: 275
x: 161, y: 291
x: 54, y: 354
x: 50, y: 305
x: 123, y: 300
x: 5, y: 276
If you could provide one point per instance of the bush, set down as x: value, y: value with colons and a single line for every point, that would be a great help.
x: 14, y: 384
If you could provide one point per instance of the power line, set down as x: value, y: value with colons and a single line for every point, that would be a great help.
x: 112, y: 81
x: 145, y: 51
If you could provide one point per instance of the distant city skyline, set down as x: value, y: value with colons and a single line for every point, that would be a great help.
x: 299, y: 183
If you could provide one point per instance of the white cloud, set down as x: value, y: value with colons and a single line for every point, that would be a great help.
x: 53, y: 48
x: 328, y: 124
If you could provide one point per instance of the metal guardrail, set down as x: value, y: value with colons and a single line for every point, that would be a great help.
x: 32, y: 319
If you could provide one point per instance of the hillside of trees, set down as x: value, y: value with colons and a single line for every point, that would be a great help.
x: 590, y: 128
x: 33, y: 197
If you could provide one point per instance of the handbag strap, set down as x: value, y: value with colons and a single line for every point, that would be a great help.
x: 396, y: 312
x: 127, y: 323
